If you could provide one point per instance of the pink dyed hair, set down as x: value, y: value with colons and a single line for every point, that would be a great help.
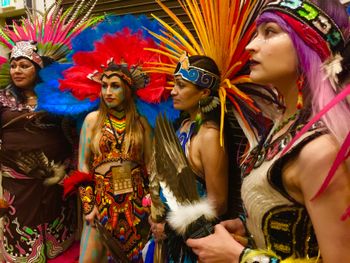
x: 318, y: 91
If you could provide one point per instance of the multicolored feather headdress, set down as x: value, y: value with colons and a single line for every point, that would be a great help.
x: 46, y: 35
x: 122, y: 40
x: 79, y: 78
x: 222, y: 30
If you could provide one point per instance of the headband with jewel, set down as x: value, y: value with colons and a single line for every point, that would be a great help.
x: 195, y: 75
x: 310, y: 14
x: 26, y: 49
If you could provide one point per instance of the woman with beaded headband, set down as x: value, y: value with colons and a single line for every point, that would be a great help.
x: 115, y: 141
x: 290, y: 215
x: 34, y: 155
x: 38, y: 224
x: 195, y: 92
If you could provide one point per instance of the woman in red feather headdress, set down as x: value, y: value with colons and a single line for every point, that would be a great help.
x: 115, y: 144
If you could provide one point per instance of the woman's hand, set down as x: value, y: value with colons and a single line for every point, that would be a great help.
x: 218, y: 247
x: 90, y: 218
x: 157, y: 229
x: 236, y: 228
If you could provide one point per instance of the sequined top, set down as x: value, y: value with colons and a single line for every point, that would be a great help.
x: 275, y: 220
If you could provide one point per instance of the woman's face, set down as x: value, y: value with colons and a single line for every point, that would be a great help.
x: 23, y: 73
x: 273, y: 57
x: 186, y: 95
x: 112, y: 90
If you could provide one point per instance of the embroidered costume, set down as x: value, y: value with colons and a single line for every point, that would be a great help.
x: 120, y: 203
x: 38, y: 224
x: 119, y: 178
x: 275, y: 221
x: 279, y: 226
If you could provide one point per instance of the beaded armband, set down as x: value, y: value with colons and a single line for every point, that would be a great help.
x: 257, y: 256
x: 86, y: 194
x: 266, y: 256
x: 83, y: 184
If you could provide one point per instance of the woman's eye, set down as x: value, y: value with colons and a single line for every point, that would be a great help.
x: 255, y: 35
x: 104, y: 86
x: 269, y: 31
x: 180, y: 85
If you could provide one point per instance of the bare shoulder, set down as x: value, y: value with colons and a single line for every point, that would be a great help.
x: 209, y: 130
x: 314, y: 162
x: 92, y: 116
x: 321, y: 150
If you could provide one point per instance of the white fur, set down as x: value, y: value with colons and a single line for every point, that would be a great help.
x: 181, y: 217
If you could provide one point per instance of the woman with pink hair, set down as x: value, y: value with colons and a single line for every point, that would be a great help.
x: 293, y: 213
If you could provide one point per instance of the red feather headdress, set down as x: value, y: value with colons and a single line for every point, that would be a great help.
x: 123, y: 48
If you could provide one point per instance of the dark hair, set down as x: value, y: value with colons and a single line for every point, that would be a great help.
x: 16, y: 92
x: 207, y: 64
x: 234, y: 139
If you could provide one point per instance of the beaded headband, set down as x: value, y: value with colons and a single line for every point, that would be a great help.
x: 195, y: 75
x: 138, y: 78
x: 26, y: 49
x: 310, y: 14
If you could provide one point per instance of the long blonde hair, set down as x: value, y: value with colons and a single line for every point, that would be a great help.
x: 133, y: 129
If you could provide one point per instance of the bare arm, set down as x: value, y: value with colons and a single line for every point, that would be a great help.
x: 147, y: 142
x: 83, y: 166
x: 312, y: 166
x: 85, y: 142
x: 214, y: 161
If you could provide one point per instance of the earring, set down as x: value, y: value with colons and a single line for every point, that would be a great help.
x: 198, y: 120
x: 209, y: 103
x: 300, y: 85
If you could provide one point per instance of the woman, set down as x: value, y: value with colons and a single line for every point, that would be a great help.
x: 115, y: 146
x: 286, y: 216
x: 38, y: 225
x: 197, y: 79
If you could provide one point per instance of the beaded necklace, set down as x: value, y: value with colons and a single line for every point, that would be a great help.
x: 284, y: 123
x: 118, y: 125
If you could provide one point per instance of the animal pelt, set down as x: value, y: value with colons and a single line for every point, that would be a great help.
x: 184, y: 217
x: 34, y: 164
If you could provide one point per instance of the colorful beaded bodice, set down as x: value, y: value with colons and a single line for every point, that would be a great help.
x: 113, y: 146
x: 275, y: 220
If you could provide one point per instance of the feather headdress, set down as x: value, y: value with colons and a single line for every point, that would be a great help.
x: 122, y: 39
x: 47, y: 34
x: 222, y: 30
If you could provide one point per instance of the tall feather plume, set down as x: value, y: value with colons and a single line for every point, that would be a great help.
x: 222, y: 30
x: 50, y: 30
